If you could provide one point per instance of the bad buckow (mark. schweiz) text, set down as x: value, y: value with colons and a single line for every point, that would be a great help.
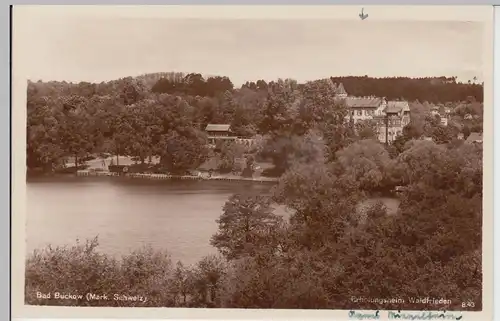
x: 90, y: 296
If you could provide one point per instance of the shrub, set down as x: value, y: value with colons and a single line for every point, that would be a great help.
x: 81, y: 269
x: 146, y: 273
x: 78, y: 269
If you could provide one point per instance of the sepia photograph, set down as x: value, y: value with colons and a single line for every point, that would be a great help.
x: 326, y: 164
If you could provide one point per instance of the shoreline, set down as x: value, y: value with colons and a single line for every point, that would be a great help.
x: 86, y: 173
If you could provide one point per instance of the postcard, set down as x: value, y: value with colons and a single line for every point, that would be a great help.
x: 250, y: 162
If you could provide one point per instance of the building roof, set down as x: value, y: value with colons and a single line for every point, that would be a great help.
x: 363, y: 102
x: 340, y: 90
x: 474, y: 137
x: 218, y: 128
x: 393, y: 109
x: 399, y: 104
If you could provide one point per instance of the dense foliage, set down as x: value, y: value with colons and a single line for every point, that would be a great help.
x: 159, y: 114
x: 327, y: 252
x: 330, y: 249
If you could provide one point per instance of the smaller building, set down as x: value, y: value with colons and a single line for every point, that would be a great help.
x: 443, y: 113
x: 222, y: 132
x: 219, y: 132
x: 474, y: 138
x: 392, y: 120
x: 402, y: 110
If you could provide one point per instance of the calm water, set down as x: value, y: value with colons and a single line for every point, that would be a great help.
x: 126, y: 214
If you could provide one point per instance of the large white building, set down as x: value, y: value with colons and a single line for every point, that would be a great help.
x: 390, y: 116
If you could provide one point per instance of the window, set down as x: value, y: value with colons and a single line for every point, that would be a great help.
x: 360, y: 112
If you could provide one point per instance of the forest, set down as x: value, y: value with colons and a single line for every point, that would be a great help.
x: 329, y: 250
x: 149, y: 115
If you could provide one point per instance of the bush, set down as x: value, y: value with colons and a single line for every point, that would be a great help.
x: 78, y: 269
x: 272, y: 172
x: 139, y: 168
x: 146, y: 273
x: 71, y: 170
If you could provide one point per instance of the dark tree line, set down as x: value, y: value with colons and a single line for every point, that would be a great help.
x: 433, y: 90
x: 193, y: 85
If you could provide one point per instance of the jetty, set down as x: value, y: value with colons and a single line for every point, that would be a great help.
x: 152, y: 176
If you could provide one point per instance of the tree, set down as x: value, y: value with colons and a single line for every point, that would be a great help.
x: 294, y: 283
x: 208, y: 275
x: 245, y: 226
x: 182, y: 284
x: 366, y: 129
x: 430, y: 163
x: 443, y: 134
x: 323, y: 203
x: 195, y: 84
x: 43, y: 147
x: 285, y: 151
x: 184, y: 151
x: 216, y: 85
x: 74, y: 134
x: 122, y: 133
x: 228, y: 153
x: 367, y: 162
x: 132, y: 90
x: 280, y: 108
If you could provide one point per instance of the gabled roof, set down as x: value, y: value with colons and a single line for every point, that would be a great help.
x: 402, y: 105
x: 218, y: 128
x: 340, y: 90
x: 393, y: 109
x: 363, y: 102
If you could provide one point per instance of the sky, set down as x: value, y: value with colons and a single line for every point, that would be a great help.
x: 98, y: 49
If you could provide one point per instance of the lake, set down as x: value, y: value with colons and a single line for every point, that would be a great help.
x: 126, y: 214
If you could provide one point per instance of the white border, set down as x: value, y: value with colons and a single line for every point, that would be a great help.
x: 422, y: 13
